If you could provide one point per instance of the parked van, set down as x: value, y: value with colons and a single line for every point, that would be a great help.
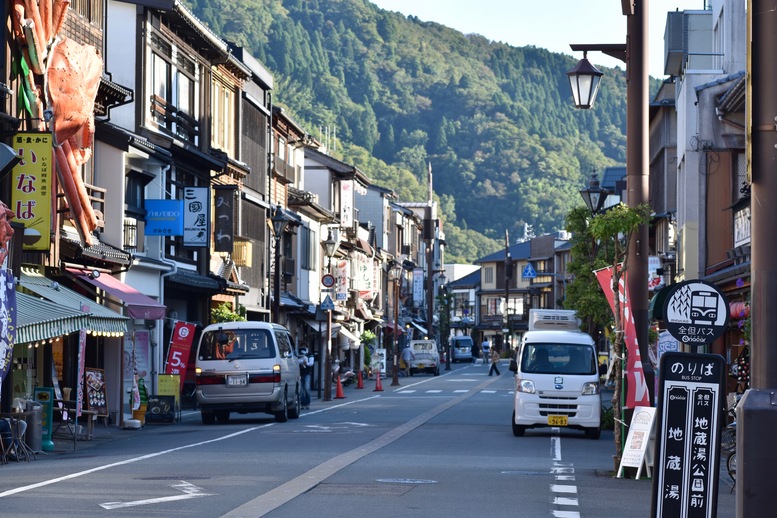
x: 247, y: 367
x: 557, y: 382
x: 461, y: 349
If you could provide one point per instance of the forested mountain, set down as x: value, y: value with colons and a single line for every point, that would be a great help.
x: 496, y: 122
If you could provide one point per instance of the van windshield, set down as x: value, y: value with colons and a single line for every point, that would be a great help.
x: 236, y: 344
x: 549, y: 358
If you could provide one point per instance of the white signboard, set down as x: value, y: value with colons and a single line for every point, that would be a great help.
x: 636, y: 448
x: 346, y: 203
x: 418, y: 287
x: 196, y: 216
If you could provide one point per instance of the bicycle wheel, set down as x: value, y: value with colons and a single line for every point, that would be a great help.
x: 728, y: 440
x: 731, y: 466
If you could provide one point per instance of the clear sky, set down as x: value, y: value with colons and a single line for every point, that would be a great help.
x: 549, y: 24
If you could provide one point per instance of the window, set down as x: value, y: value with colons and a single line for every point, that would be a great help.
x: 281, y: 148
x: 308, y: 248
x: 173, y: 86
x: 223, y: 116
x: 488, y: 275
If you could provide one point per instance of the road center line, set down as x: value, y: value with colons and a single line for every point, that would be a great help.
x: 286, y: 492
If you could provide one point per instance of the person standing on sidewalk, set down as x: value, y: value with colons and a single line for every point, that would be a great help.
x: 305, y: 371
x: 486, y: 348
x: 495, y: 357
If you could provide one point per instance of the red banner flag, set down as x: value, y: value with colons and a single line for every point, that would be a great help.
x: 180, y: 345
x: 636, y: 387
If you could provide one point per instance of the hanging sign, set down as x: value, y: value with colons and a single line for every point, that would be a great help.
x: 180, y: 345
x: 196, y: 216
x: 31, y: 188
x: 696, y: 312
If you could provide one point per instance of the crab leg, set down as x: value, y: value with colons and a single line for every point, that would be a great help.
x: 58, y: 14
x: 83, y: 196
x: 71, y: 195
x: 45, y: 18
x: 32, y: 12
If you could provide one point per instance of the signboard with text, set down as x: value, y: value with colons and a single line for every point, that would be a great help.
x: 180, y: 345
x: 196, y: 216
x: 685, y: 482
x: 164, y: 218
x: 696, y: 312
x: 31, y: 188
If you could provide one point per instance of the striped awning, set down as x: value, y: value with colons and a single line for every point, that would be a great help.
x: 39, y: 319
x: 101, y: 319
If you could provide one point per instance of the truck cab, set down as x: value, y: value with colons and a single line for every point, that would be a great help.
x: 557, y: 381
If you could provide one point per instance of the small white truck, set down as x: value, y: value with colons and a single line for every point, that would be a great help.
x: 557, y: 381
x: 427, y: 359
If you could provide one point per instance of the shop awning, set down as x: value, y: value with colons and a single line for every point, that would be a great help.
x: 314, y: 325
x: 138, y: 306
x: 420, y: 328
x: 101, y: 319
x: 39, y: 319
x: 348, y: 339
x: 656, y: 304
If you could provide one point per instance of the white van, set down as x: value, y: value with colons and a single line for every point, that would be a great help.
x: 247, y: 367
x: 557, y: 382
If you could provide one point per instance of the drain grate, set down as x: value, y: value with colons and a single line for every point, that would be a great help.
x: 361, y: 489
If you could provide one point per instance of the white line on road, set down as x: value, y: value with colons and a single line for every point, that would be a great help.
x: 560, y: 500
x: 566, y: 514
x: 189, y: 490
x: 558, y: 488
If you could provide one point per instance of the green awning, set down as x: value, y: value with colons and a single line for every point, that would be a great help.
x: 656, y: 304
x: 100, y: 318
x: 38, y: 319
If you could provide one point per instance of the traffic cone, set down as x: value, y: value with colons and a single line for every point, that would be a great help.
x: 339, y: 394
x: 359, y: 380
x: 378, y: 385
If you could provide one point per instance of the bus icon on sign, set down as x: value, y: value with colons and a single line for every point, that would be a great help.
x: 704, y: 307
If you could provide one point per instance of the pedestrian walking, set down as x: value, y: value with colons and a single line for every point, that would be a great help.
x: 495, y: 357
x: 486, y: 347
x: 407, y: 357
x: 306, y: 363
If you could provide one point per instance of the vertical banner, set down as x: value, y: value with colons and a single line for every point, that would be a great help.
x: 636, y: 387
x: 690, y: 413
x: 342, y: 279
x: 180, y: 345
x: 8, y: 316
x: 196, y: 216
x: 346, y: 203
x: 31, y: 188
x: 224, y: 206
x: 418, y: 287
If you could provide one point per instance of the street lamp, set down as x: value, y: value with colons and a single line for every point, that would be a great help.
x: 330, y: 248
x: 584, y: 80
x: 395, y: 275
x: 594, y: 195
x: 634, y: 53
x: 279, y: 224
x: 445, y: 320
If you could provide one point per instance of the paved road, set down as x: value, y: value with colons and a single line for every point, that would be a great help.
x: 434, y: 446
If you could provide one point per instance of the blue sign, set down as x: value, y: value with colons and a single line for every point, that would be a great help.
x: 328, y: 304
x: 164, y: 218
x: 529, y: 272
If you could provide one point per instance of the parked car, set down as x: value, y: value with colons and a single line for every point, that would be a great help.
x: 247, y: 367
x: 427, y: 359
x: 461, y: 349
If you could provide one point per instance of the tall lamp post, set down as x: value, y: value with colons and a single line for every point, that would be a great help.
x: 279, y: 224
x: 395, y: 276
x: 445, y: 320
x: 330, y: 247
x: 584, y: 80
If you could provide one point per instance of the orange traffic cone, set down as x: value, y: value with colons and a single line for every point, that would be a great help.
x: 339, y: 394
x: 359, y: 380
x: 378, y: 385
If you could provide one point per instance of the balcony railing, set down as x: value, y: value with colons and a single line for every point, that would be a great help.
x: 283, y: 171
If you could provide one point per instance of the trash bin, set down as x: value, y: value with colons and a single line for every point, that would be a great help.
x: 34, y: 434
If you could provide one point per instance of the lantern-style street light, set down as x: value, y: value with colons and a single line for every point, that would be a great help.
x: 330, y: 248
x: 594, y: 195
x: 279, y: 224
x: 584, y: 80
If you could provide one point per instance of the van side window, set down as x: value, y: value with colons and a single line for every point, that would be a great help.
x: 284, y: 344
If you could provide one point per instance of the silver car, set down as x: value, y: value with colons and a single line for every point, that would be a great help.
x: 247, y: 367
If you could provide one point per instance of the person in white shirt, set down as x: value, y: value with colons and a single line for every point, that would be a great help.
x: 305, y: 371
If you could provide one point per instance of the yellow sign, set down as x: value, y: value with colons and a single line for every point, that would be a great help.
x: 170, y: 385
x: 31, y: 188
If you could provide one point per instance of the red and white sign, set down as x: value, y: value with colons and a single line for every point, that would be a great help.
x: 637, y: 390
x: 180, y: 345
x: 328, y: 280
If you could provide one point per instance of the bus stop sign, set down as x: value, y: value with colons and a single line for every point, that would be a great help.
x: 695, y: 312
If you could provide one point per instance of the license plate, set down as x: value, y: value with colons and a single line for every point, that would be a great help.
x: 557, y: 420
x: 420, y: 366
x: 237, y: 381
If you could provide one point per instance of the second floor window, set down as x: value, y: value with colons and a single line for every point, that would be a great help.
x: 307, y: 252
x: 488, y: 275
x: 223, y: 107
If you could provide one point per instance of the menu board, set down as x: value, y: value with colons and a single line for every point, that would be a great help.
x: 95, y: 391
x: 161, y: 409
x: 170, y: 385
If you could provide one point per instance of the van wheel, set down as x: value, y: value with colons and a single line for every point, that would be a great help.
x: 296, y: 409
x: 208, y: 417
x: 282, y: 415
x: 518, y: 430
x: 593, y: 433
x: 222, y: 416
